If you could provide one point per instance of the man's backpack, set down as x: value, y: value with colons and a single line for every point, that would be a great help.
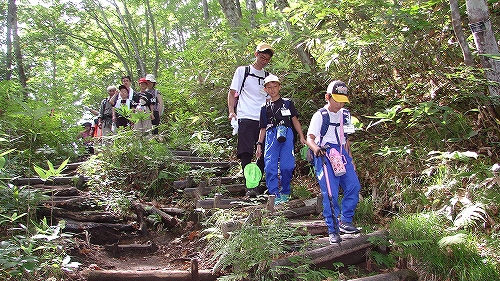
x: 325, y: 124
x: 247, y: 73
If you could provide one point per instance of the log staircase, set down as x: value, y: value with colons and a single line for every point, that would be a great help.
x: 85, y: 218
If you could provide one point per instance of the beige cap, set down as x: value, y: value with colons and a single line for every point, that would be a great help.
x: 271, y: 78
x: 263, y: 46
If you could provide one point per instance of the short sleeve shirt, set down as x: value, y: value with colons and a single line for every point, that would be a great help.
x: 272, y: 113
x: 252, y: 95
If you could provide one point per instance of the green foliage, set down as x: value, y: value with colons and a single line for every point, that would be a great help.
x: 51, y: 172
x: 438, y: 251
x: 239, y: 253
x: 129, y: 163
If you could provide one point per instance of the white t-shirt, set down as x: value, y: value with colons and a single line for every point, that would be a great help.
x: 315, y: 127
x: 252, y: 96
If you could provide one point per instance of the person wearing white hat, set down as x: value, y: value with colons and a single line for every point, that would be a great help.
x: 157, y: 101
x: 276, y: 140
x: 248, y: 84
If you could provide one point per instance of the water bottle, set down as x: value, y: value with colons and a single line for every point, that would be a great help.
x: 337, y: 162
x: 281, y: 132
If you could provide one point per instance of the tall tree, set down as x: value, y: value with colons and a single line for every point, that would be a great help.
x: 12, y: 27
x: 232, y: 11
x: 486, y: 44
x: 459, y: 33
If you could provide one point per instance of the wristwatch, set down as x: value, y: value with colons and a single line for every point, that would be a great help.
x: 258, y: 143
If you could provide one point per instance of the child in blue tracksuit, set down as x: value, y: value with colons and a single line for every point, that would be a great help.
x: 335, y: 138
x: 277, y: 117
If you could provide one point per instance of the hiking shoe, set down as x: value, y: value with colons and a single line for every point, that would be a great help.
x: 285, y: 198
x: 278, y: 200
x: 334, y: 238
x: 348, y: 228
x: 251, y: 193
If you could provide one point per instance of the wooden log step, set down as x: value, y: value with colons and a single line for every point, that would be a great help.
x: 182, y: 184
x: 151, y: 275
x: 100, y: 233
x: 337, y: 252
x: 80, y: 216
x: 201, y: 190
x: 58, y: 190
x: 118, y: 250
x: 181, y: 153
x: 190, y: 158
x: 400, y: 275
x: 71, y: 180
x: 220, y: 203
x: 298, y: 212
x: 219, y: 165
x: 313, y: 227
x: 72, y: 166
x: 218, y: 181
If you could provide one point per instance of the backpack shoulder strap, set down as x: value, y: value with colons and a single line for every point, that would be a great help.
x: 325, y: 123
x: 247, y: 72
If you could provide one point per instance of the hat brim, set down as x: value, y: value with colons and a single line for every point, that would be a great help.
x: 340, y: 98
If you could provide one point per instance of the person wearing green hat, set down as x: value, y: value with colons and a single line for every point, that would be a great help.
x: 333, y: 162
x: 277, y: 117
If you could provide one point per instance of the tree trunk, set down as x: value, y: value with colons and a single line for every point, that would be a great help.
x: 16, y: 44
x: 252, y: 8
x: 304, y: 55
x: 8, y: 40
x: 206, y: 15
x: 156, y: 63
x: 480, y: 24
x: 231, y: 11
x: 459, y: 33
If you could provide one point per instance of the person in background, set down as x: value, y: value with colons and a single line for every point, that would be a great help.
x: 123, y: 101
x: 325, y: 147
x: 106, y: 112
x: 127, y: 83
x: 143, y: 103
x: 251, y: 97
x: 156, y: 101
x: 277, y: 117
x: 87, y: 137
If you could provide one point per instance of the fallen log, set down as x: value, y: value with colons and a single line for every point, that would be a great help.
x: 298, y: 212
x: 169, y: 220
x: 334, y: 252
x: 400, y: 275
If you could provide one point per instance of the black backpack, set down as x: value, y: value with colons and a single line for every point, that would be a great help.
x: 247, y: 73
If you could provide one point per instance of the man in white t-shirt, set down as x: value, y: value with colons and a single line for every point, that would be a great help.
x: 248, y: 85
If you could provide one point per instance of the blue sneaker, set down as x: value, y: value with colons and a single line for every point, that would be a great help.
x: 277, y: 200
x: 285, y: 198
x: 348, y: 228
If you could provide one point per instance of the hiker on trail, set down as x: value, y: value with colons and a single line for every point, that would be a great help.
x: 277, y: 117
x: 248, y: 82
x: 333, y: 161
x: 87, y: 137
x: 123, y: 101
x: 127, y: 83
x: 157, y: 102
x: 143, y: 103
x: 106, y: 112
